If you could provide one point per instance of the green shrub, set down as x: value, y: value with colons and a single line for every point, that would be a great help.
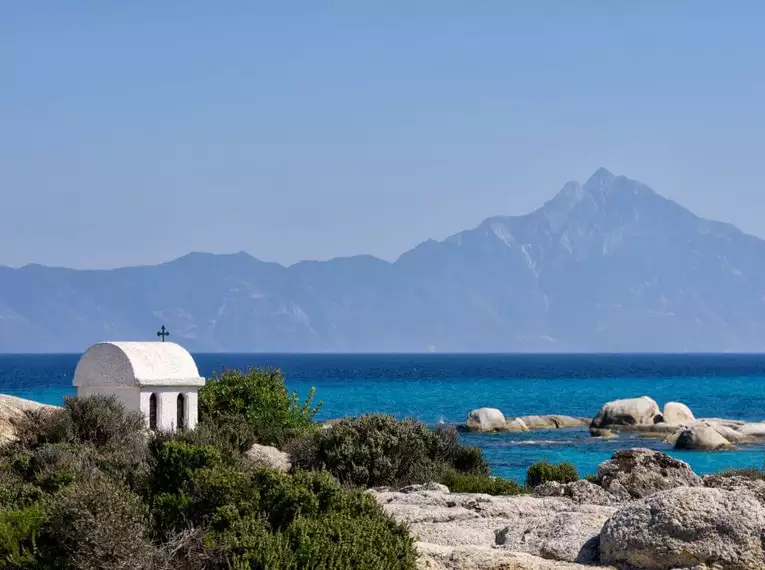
x: 544, y: 471
x: 18, y: 535
x: 259, y: 402
x: 378, y: 450
x: 467, y: 483
x: 97, y: 524
x: 174, y: 462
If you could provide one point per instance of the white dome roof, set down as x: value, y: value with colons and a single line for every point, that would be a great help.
x: 132, y: 364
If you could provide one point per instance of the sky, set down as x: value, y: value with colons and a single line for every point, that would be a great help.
x: 135, y: 132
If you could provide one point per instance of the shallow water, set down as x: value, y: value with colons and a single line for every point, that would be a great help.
x: 445, y: 388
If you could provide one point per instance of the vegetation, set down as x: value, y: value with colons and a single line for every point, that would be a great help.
x: 544, y: 472
x: 467, y: 483
x: 378, y: 450
x: 752, y: 473
x: 86, y: 487
x: 256, y: 406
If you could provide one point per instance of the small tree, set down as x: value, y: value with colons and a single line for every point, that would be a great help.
x: 259, y: 401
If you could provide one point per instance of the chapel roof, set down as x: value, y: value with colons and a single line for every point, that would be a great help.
x: 131, y: 364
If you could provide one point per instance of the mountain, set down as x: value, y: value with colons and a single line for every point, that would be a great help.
x: 605, y: 266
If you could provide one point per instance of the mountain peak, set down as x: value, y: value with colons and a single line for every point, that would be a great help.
x: 602, y: 178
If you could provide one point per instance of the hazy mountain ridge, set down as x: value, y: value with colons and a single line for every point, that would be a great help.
x: 605, y: 266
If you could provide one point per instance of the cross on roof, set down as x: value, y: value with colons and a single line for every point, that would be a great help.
x: 163, y: 333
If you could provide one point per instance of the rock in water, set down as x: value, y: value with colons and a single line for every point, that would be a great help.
x: 12, y: 409
x: 633, y: 411
x: 753, y: 430
x: 485, y: 420
x: 685, y: 527
x: 268, y: 458
x: 638, y: 473
x: 677, y: 414
x: 700, y: 436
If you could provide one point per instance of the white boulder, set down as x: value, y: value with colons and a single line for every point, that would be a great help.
x: 700, y: 437
x: 13, y: 409
x: 268, y: 458
x: 677, y: 414
x: 486, y: 420
x: 631, y: 411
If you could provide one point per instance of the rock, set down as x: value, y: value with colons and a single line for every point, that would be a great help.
x: 700, y: 437
x: 686, y: 527
x: 737, y: 483
x: 11, y: 410
x: 450, y: 523
x: 268, y: 458
x: 516, y: 425
x: 731, y: 434
x: 437, y: 557
x: 486, y: 420
x: 677, y: 414
x: 553, y: 422
x: 581, y: 492
x: 602, y: 432
x: 638, y: 473
x: 753, y: 430
x: 432, y: 486
x: 633, y: 411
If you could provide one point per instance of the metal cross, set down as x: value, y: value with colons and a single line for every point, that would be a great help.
x: 163, y: 333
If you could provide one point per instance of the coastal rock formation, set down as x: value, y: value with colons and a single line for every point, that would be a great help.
x: 737, y: 483
x: 438, y: 557
x: 701, y: 437
x: 677, y: 414
x: 11, y: 410
x: 515, y: 425
x: 605, y: 433
x: 685, y: 527
x: 580, y: 492
x: 753, y: 430
x: 480, y: 528
x: 486, y: 420
x: 638, y: 473
x: 268, y: 457
x: 632, y: 411
x: 553, y: 422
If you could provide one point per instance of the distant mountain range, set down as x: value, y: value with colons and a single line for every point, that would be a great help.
x: 605, y: 266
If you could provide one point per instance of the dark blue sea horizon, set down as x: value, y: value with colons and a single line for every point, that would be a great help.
x: 445, y: 387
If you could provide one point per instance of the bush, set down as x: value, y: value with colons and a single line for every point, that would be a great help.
x: 259, y: 402
x: 752, y: 473
x: 466, y: 483
x: 378, y: 450
x: 96, y: 525
x: 544, y: 471
x: 18, y: 535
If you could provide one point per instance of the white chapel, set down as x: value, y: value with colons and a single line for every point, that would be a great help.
x: 159, y: 379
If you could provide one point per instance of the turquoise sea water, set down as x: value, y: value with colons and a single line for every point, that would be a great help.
x: 445, y: 388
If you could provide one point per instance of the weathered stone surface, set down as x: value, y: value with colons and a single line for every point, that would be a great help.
x: 638, y: 473
x: 486, y: 420
x: 438, y: 557
x: 677, y: 414
x: 605, y: 433
x: 11, y: 410
x: 432, y: 486
x: 553, y: 422
x: 731, y: 434
x: 632, y: 411
x: 515, y: 425
x: 581, y: 492
x: 737, y: 483
x: 268, y: 457
x: 700, y: 437
x: 545, y: 527
x: 685, y: 527
x: 754, y: 430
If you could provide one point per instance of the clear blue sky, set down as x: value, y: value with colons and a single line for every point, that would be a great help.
x: 135, y: 132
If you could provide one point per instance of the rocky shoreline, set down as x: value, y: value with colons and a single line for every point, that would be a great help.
x: 675, y: 424
x: 644, y: 510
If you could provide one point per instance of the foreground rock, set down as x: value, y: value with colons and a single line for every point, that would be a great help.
x: 638, y: 473
x: 486, y: 420
x: 581, y: 492
x: 481, y: 531
x: 630, y: 412
x: 11, y: 410
x: 685, y: 527
x: 738, y: 484
x: 700, y: 437
x: 677, y: 414
x: 268, y: 458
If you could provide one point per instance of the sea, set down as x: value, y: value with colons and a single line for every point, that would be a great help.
x: 443, y: 389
